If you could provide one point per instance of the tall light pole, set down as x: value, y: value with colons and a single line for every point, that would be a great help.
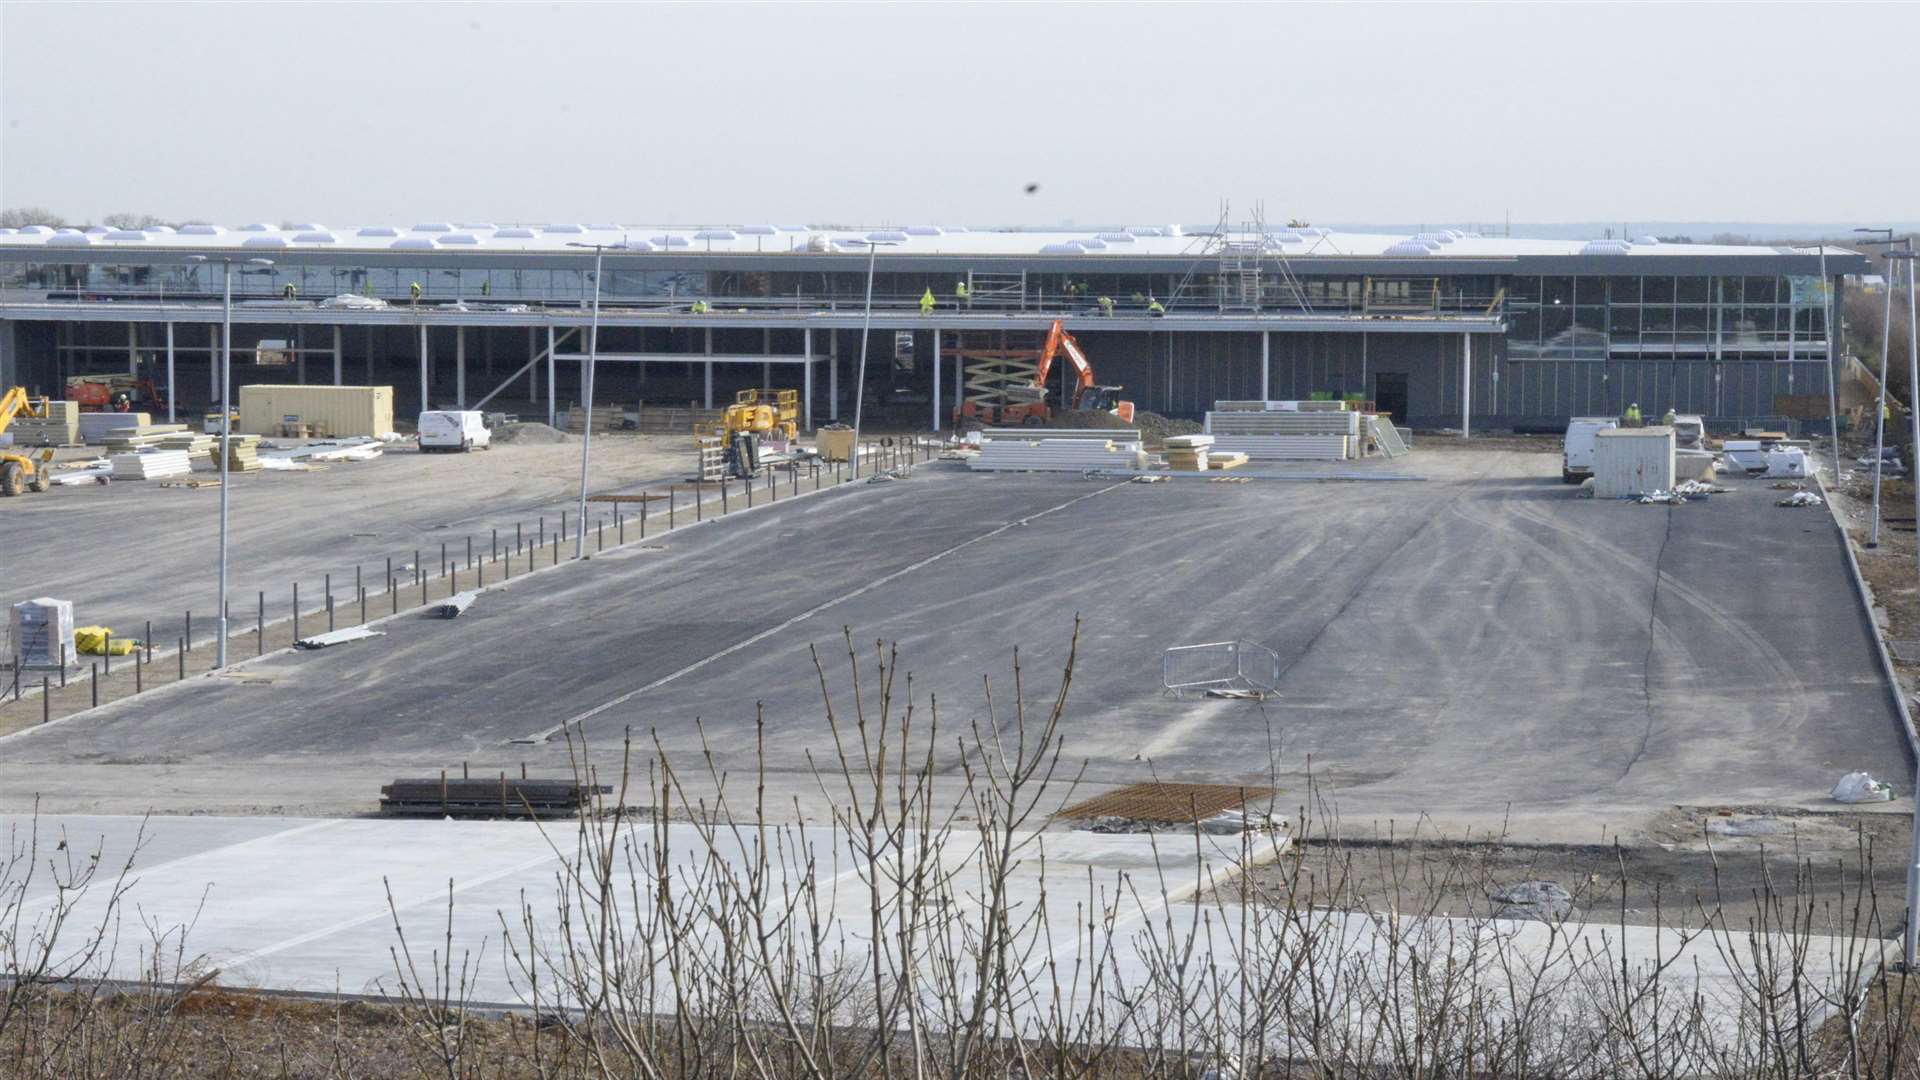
x: 226, y: 433
x: 586, y: 387
x: 866, y: 332
x: 1886, y: 346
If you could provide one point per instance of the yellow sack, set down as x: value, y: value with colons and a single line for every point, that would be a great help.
x: 94, y: 641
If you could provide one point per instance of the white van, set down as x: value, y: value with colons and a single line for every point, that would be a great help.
x: 453, y: 431
x: 1576, y: 462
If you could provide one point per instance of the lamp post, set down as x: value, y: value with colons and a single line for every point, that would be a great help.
x: 1880, y: 417
x: 866, y: 332
x: 226, y: 433
x: 586, y: 386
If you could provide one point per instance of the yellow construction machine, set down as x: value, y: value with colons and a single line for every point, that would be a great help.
x: 758, y: 424
x: 20, y: 472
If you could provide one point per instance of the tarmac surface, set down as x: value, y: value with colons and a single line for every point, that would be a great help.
x: 1481, y: 650
x: 133, y: 552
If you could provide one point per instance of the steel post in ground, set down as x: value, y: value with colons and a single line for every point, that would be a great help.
x: 46, y: 699
x: 358, y: 585
x: 748, y: 484
x: 540, y: 531
x: 182, y: 654
x: 329, y: 613
x: 494, y: 547
x: 296, y: 611
x: 107, y: 648
x: 599, y: 535
x: 147, y: 641
x: 393, y: 595
x: 326, y: 587
x: 469, y: 552
x: 139, y: 680
x: 620, y: 523
x: 260, y: 626
x: 723, y: 497
x: 563, y: 526
x: 699, y: 497
x: 63, y: 668
x: 443, y: 558
x: 423, y: 590
x: 556, y: 551
x: 516, y: 538
x: 96, y: 684
x: 643, y: 516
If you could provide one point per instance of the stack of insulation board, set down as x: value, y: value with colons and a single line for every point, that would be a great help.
x: 60, y: 427
x: 134, y: 440
x: 193, y: 442
x: 243, y: 453
x: 96, y: 426
x: 1188, y: 453
x: 1058, y: 450
x: 150, y: 465
x: 1279, y: 406
x: 1285, y: 436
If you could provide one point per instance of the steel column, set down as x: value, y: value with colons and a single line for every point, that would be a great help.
x: 171, y: 395
x: 1266, y: 364
x: 460, y: 366
x: 833, y: 374
x: 1466, y: 385
x: 552, y: 419
x: 133, y: 349
x: 806, y: 394
x: 423, y: 367
x: 709, y: 369
x: 338, y: 358
x: 936, y: 378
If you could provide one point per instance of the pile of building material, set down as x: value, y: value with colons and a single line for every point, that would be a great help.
x: 1058, y: 450
x: 605, y: 418
x: 95, y: 427
x: 1280, y: 406
x: 1188, y: 453
x: 193, y: 442
x: 487, y: 797
x: 132, y: 440
x: 60, y: 427
x: 150, y: 465
x: 243, y: 453
x: 1275, y: 435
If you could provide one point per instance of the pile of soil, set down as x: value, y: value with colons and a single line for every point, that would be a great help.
x: 1153, y: 427
x: 530, y: 434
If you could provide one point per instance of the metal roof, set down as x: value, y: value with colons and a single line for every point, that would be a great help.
x: 1091, y: 245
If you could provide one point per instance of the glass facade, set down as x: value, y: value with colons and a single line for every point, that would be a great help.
x: 1664, y: 317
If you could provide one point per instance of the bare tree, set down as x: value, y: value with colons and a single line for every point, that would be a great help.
x: 18, y: 216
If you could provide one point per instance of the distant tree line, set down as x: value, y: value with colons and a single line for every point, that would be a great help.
x: 19, y: 216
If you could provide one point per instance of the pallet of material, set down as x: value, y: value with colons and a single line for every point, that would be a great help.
x: 243, y: 454
x: 1056, y: 455
x: 1218, y: 460
x: 488, y: 797
x: 192, y: 442
x: 674, y: 419
x: 38, y: 432
x: 1283, y: 423
x: 1030, y: 434
x: 1285, y: 447
x: 1188, y: 442
x: 605, y: 418
x: 129, y: 440
x: 150, y: 465
x: 97, y: 426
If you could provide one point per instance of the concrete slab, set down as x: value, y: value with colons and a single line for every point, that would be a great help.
x: 320, y: 906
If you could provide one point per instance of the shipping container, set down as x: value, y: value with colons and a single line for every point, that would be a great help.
x: 324, y: 411
x: 1632, y: 461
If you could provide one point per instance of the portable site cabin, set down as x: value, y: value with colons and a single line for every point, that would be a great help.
x: 1632, y: 461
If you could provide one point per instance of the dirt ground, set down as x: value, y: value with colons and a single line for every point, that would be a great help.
x: 1745, y: 868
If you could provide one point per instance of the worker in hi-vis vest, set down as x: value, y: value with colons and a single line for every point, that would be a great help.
x: 960, y: 295
x: 1154, y: 307
x: 1106, y: 306
x: 414, y: 290
x: 288, y: 291
x: 926, y: 301
x: 698, y: 307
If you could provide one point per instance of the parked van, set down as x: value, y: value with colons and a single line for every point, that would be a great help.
x: 453, y: 431
x: 1576, y: 460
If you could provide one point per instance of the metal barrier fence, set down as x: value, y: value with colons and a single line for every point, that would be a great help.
x: 1237, y: 666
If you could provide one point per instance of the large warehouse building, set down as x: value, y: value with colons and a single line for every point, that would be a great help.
x: 1438, y: 328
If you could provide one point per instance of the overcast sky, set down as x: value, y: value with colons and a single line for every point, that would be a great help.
x: 1120, y: 113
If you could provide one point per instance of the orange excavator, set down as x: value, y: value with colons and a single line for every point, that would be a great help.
x: 1008, y: 387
